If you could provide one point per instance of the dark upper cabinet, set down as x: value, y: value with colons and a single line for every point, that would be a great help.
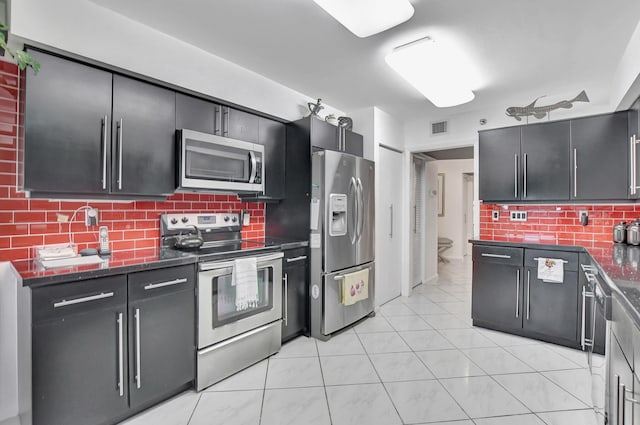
x: 195, y: 114
x: 272, y: 136
x: 634, y: 155
x: 240, y: 125
x: 161, y: 332
x: 499, y: 164
x: 353, y: 143
x: 295, y: 308
x: 79, y: 352
x: 67, y: 124
x: 144, y: 133
x: 115, y: 134
x: 545, y: 159
x: 599, y: 146
x: 322, y: 134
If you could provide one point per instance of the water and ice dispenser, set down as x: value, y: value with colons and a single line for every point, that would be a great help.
x: 338, y: 214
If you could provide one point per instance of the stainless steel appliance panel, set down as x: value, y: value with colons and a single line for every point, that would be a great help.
x: 337, y: 315
x: 210, y: 162
x: 215, y: 321
x: 365, y: 225
x: 334, y: 174
x: 228, y: 357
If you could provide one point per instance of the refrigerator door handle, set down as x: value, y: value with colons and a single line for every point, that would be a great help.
x: 353, y: 233
x: 360, y: 192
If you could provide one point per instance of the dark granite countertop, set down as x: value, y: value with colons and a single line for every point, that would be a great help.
x: 618, y: 266
x: 33, y: 274
x: 119, y: 262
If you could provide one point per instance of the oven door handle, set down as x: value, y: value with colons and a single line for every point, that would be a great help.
x: 227, y: 264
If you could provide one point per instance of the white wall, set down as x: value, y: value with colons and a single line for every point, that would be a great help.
x: 86, y: 29
x: 452, y: 224
x: 364, y: 123
x: 626, y: 80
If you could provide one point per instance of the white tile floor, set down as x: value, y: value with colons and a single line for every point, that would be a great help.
x: 418, y: 361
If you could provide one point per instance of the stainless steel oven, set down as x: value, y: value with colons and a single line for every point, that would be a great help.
x: 230, y: 339
x: 214, y: 163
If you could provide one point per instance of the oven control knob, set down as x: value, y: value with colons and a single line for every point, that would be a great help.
x: 234, y: 219
x: 184, y: 219
x: 226, y: 218
x: 174, y: 221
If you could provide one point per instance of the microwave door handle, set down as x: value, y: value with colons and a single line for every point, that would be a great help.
x: 254, y: 171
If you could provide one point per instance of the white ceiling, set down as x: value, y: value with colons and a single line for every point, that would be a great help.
x: 521, y: 49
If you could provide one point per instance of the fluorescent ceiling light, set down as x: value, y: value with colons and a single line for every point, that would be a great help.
x: 368, y: 17
x: 440, y: 74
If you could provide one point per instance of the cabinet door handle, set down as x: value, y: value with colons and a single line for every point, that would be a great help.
x: 524, y: 193
x: 575, y: 172
x: 120, y: 154
x: 65, y: 303
x: 622, y: 401
x: 120, y: 355
x: 484, y: 254
x: 391, y: 220
x: 286, y: 300
x: 294, y: 259
x: 584, y: 341
x: 138, y: 355
x: 218, y: 120
x: 515, y: 175
x: 632, y: 146
x: 518, y: 293
x: 163, y: 284
x: 415, y: 219
x: 104, y: 152
x: 528, y: 293
x: 617, y: 378
x: 225, y: 125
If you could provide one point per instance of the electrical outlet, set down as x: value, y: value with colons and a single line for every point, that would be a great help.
x: 91, y: 217
x: 518, y: 216
x: 495, y: 215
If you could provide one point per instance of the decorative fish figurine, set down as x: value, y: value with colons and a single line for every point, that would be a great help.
x: 518, y: 112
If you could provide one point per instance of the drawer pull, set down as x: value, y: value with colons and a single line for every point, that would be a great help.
x: 484, y: 254
x: 65, y: 303
x: 300, y: 258
x: 163, y: 284
x: 539, y: 258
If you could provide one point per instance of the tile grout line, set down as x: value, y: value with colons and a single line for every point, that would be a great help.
x: 324, y: 384
x: 264, y: 390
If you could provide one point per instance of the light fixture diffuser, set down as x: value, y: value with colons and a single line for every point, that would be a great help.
x: 441, y: 75
x: 368, y: 17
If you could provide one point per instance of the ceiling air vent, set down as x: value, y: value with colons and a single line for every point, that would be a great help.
x: 439, y: 127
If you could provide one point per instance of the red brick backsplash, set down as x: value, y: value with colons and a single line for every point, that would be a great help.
x: 557, y: 224
x: 25, y: 223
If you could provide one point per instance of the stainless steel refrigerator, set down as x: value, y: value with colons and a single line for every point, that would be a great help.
x: 342, y: 218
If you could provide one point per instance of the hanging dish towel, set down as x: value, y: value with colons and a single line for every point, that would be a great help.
x: 355, y: 287
x: 245, y: 279
x: 550, y: 270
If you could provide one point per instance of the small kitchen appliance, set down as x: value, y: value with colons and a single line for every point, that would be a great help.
x: 230, y: 338
x: 620, y: 232
x: 633, y: 233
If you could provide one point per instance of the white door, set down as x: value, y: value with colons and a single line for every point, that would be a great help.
x: 388, y: 220
x: 417, y: 216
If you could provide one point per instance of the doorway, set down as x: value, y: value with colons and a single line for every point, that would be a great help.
x: 468, y: 207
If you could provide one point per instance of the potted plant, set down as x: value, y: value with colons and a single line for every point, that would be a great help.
x: 22, y: 58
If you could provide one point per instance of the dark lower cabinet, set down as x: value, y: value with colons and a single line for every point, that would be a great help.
x: 497, y: 287
x: 620, y: 380
x: 104, y: 349
x: 79, y: 348
x: 161, y: 333
x: 508, y: 296
x: 295, y: 309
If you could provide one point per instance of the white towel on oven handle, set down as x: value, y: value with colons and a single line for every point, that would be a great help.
x: 245, y: 279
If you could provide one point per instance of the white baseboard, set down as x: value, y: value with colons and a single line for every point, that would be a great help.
x: 431, y: 279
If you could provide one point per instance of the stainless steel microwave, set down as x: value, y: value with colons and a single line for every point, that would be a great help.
x: 213, y: 163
